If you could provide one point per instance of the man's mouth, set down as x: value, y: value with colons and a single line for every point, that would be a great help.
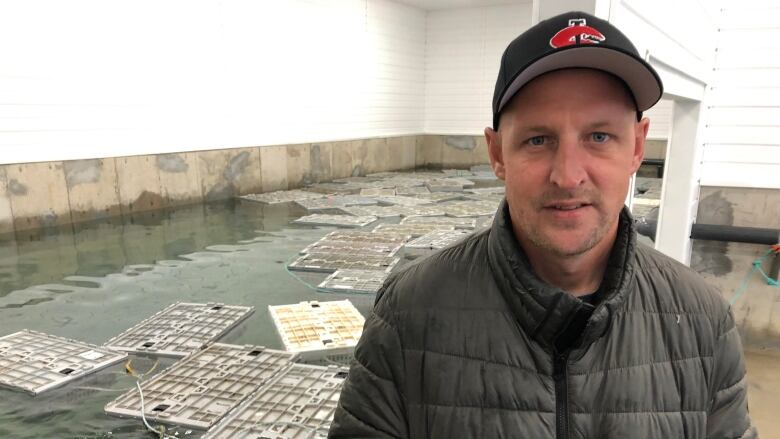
x: 567, y: 206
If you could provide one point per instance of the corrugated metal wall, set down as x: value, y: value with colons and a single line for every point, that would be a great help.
x: 742, y: 136
x: 88, y: 78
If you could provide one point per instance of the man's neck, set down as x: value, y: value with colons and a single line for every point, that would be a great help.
x: 577, y: 275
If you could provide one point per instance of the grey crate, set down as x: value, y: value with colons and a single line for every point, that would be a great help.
x: 35, y: 362
x: 336, y: 220
x: 180, y: 329
x: 363, y: 236
x: 465, y: 209
x: 403, y: 201
x: 353, y: 281
x: 377, y: 211
x: 498, y: 190
x: 377, y: 192
x: 440, y: 197
x: 353, y: 248
x: 197, y: 391
x: 435, y: 240
x: 298, y: 404
x: 415, y: 230
x: 335, y: 202
x: 335, y: 188
x: 329, y: 262
x: 281, y: 196
x: 459, y: 223
x: 444, y: 185
x: 411, y: 191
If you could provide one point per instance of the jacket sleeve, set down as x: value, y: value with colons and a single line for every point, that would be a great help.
x: 371, y: 403
x: 728, y: 416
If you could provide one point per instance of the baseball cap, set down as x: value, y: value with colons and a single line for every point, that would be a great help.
x: 574, y: 40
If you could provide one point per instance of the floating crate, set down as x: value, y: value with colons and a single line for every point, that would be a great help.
x: 444, y: 185
x: 415, y: 230
x: 353, y: 248
x: 335, y: 202
x: 180, y: 329
x: 281, y: 196
x: 318, y: 219
x: 377, y: 192
x: 335, y: 188
x: 376, y: 211
x: 435, y: 240
x: 458, y: 223
x: 319, y: 330
x: 465, y: 209
x: 298, y: 404
x: 353, y: 281
x: 399, y: 200
x: 35, y: 362
x: 496, y: 190
x: 330, y: 262
x: 412, y: 190
x: 197, y: 391
x: 440, y: 197
x: 363, y: 236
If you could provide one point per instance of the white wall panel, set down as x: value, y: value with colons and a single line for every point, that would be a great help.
x: 94, y: 78
x: 742, y: 136
x: 660, y: 120
x: 463, y: 51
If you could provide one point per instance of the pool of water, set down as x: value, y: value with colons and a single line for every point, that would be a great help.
x: 92, y: 282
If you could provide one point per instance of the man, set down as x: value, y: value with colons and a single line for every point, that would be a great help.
x: 553, y: 323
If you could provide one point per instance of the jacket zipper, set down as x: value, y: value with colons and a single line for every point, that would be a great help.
x: 561, y: 377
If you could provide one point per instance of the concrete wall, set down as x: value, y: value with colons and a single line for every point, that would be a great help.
x: 48, y: 194
x: 726, y: 265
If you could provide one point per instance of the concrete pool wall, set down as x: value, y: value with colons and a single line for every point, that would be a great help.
x: 34, y: 195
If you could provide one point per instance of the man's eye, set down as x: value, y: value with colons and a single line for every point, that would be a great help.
x: 599, y: 137
x: 536, y: 141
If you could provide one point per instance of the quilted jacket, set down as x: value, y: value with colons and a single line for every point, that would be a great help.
x: 469, y: 343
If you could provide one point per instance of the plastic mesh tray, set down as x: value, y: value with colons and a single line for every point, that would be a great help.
x: 298, y: 404
x: 439, y: 197
x: 465, y: 209
x: 394, y: 211
x: 353, y: 281
x: 353, y: 248
x: 318, y: 330
x: 444, y: 185
x: 180, y: 329
x: 336, y: 220
x: 35, y: 362
x: 336, y: 188
x: 335, y: 202
x: 412, y: 190
x: 458, y: 223
x: 363, y: 236
x: 494, y: 190
x: 330, y: 262
x: 282, y: 196
x: 399, y: 200
x: 199, y: 390
x: 414, y: 230
x: 377, y: 192
x: 436, y: 240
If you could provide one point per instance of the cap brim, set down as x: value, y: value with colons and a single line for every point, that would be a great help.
x: 640, y: 77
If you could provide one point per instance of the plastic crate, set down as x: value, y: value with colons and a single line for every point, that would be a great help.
x: 376, y: 192
x: 435, y: 240
x: 199, y: 390
x: 298, y: 404
x: 318, y: 330
x: 414, y: 230
x: 363, y: 236
x: 458, y: 223
x: 394, y: 211
x: 282, y: 196
x: 180, y: 329
x: 412, y: 190
x: 353, y: 281
x: 467, y: 209
x: 440, y: 197
x: 330, y: 262
x: 399, y: 200
x: 335, y: 202
x: 336, y: 220
x: 353, y: 248
x: 34, y: 362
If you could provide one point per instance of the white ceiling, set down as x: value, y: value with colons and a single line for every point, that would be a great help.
x: 429, y: 5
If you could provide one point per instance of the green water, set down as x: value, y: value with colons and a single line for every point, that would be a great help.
x: 93, y: 282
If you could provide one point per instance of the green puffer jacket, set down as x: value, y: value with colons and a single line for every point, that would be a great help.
x: 469, y: 343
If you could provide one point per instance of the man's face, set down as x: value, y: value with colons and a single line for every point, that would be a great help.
x: 566, y: 148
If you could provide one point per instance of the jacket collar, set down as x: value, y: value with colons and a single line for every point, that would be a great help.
x: 544, y: 311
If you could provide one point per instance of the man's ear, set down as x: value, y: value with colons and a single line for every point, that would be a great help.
x: 640, y: 135
x: 495, y: 153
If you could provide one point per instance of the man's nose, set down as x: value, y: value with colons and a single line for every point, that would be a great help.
x: 568, y: 167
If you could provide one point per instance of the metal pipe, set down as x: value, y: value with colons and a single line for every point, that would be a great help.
x: 712, y: 232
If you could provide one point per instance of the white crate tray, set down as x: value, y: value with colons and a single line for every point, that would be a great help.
x: 353, y: 281
x: 297, y: 404
x: 34, y: 362
x: 433, y: 241
x: 353, y: 248
x: 458, y: 223
x: 337, y: 220
x: 282, y: 196
x: 318, y: 330
x: 413, y: 230
x: 197, y: 391
x: 330, y: 262
x: 180, y: 329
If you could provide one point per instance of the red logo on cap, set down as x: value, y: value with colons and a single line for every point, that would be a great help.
x: 576, y: 33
